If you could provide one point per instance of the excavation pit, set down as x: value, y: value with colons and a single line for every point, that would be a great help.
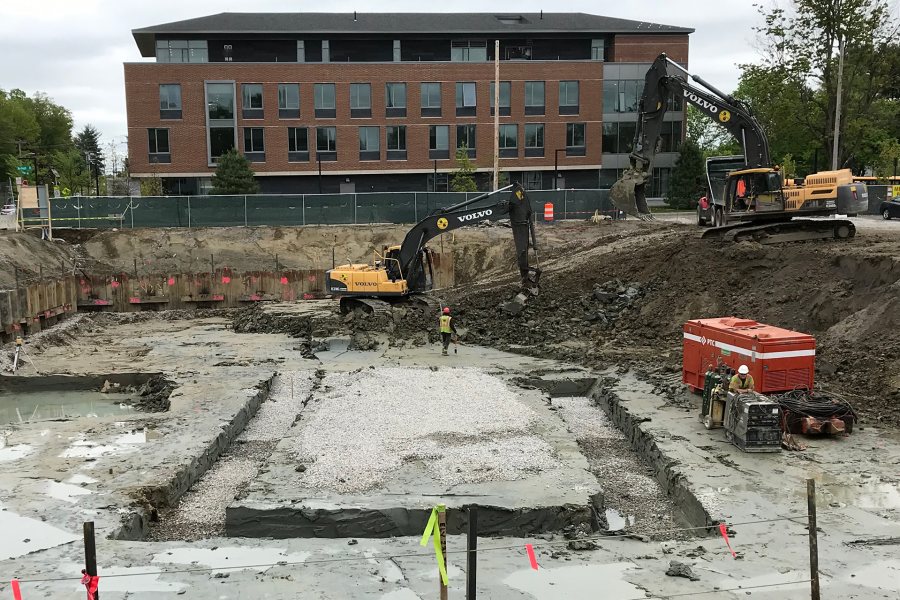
x: 375, y: 449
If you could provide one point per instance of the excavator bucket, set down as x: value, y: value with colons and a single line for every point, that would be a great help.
x: 628, y: 195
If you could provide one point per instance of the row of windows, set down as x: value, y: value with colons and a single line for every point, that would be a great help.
x: 370, y: 141
x: 195, y: 51
x: 220, y: 99
x: 623, y: 96
x: 619, y: 137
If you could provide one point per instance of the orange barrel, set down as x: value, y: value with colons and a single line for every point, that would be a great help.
x: 548, y: 211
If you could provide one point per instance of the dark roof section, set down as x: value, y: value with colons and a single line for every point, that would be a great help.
x: 396, y: 23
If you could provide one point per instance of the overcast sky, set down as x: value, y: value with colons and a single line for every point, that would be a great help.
x: 73, y: 50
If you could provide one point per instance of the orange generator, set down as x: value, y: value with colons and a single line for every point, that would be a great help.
x: 780, y: 360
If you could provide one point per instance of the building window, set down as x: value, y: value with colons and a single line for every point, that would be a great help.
x: 369, y: 146
x: 622, y: 96
x: 465, y: 99
x: 326, y: 51
x: 220, y: 101
x: 534, y: 97
x: 397, y: 51
x: 439, y: 182
x: 396, y: 142
x: 504, y: 98
x: 395, y: 99
x: 360, y: 100
x: 159, y: 146
x: 326, y: 143
x: 254, y: 144
x: 597, y: 50
x: 575, y: 139
x: 324, y: 100
x: 618, y: 138
x: 518, y: 52
x: 438, y: 141
x: 181, y: 51
x: 431, y: 99
x: 670, y: 136
x: 298, y: 144
x: 221, y: 140
x: 534, y: 180
x: 170, y: 101
x: 301, y: 51
x: 534, y: 139
x: 568, y: 97
x: 465, y: 136
x: 252, y: 101
x: 288, y: 100
x: 468, y: 51
x: 509, y: 141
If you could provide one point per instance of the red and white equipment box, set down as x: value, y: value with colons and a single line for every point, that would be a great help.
x: 780, y: 360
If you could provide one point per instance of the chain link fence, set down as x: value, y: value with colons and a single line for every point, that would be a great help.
x: 101, y: 212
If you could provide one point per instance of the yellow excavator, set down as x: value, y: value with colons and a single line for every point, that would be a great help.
x: 406, y: 269
x: 749, y: 199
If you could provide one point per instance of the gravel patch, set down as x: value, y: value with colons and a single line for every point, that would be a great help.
x: 464, y: 426
x: 585, y: 419
x: 276, y: 415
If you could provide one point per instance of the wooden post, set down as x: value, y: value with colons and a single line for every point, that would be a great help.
x: 442, y: 528
x: 135, y: 268
x: 471, y: 553
x: 90, y: 552
x: 813, y: 539
x: 212, y: 266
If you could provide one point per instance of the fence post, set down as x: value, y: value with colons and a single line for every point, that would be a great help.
x: 303, y: 203
x: 245, y: 216
x: 415, y: 207
x: 189, y: 211
x: 78, y: 208
x: 442, y: 530
x: 131, y: 210
x: 565, y: 204
x: 471, y: 553
x: 813, y: 539
x: 90, y: 553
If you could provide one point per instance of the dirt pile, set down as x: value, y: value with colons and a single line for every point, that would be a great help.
x: 25, y: 257
x: 624, y: 302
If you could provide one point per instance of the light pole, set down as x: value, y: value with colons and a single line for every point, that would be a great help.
x: 319, y: 160
x: 556, y: 167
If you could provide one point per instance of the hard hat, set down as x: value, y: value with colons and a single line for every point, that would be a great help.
x: 446, y: 310
x: 743, y: 369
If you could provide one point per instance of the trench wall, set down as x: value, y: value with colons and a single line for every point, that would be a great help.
x: 33, y: 306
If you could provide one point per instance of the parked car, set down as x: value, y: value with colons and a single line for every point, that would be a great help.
x: 890, y: 209
x: 8, y: 209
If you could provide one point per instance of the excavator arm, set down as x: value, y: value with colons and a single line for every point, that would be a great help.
x: 665, y: 78
x: 407, y: 261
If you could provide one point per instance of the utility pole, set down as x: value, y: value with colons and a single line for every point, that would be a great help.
x: 496, y: 115
x: 840, y: 85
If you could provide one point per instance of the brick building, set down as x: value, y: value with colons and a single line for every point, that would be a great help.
x: 380, y: 102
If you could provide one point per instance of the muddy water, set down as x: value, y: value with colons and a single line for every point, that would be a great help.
x: 19, y: 407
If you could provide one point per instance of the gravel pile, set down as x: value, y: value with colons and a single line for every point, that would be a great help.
x: 585, y: 419
x: 280, y: 410
x: 461, y: 424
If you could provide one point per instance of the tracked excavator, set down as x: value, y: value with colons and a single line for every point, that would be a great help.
x: 751, y: 201
x: 406, y: 270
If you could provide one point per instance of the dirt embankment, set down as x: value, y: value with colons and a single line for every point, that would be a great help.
x: 29, y: 256
x: 624, y: 301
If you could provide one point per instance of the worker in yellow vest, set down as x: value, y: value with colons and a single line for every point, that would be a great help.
x: 742, y: 382
x: 447, y: 328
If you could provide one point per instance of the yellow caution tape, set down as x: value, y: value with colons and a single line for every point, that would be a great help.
x: 433, y: 530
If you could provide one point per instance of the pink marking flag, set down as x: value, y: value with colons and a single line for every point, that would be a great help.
x: 723, y: 529
x: 531, y: 557
x: 17, y: 593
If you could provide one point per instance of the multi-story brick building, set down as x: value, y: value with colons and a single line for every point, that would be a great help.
x: 377, y: 102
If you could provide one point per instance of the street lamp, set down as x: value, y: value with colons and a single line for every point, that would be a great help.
x: 556, y: 167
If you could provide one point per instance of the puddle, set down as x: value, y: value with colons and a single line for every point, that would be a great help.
x: 127, y: 580
x: 11, y: 453
x: 222, y: 560
x: 580, y: 582
x: 23, y: 535
x: 873, y: 494
x: 86, y: 449
x: 25, y: 406
x: 883, y: 575
x: 78, y: 478
x: 66, y: 492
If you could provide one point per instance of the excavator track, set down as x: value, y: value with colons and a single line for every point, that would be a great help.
x: 370, y: 306
x: 797, y: 230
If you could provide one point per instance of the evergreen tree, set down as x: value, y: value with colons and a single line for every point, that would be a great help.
x: 688, y: 179
x: 463, y: 178
x: 88, y: 143
x: 233, y: 175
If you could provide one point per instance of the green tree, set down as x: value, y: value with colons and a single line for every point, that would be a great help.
x: 233, y: 175
x: 711, y: 137
x: 73, y: 174
x: 888, y: 157
x: 88, y: 143
x: 36, y: 125
x: 788, y: 167
x: 688, y: 177
x: 464, y: 176
x: 151, y: 186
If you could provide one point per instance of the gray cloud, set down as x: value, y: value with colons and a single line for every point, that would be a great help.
x: 74, y: 51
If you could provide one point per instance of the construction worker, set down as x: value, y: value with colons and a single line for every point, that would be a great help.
x: 447, y: 328
x: 742, y: 382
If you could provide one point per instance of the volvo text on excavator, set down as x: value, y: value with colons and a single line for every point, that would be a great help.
x: 753, y: 201
x: 404, y: 270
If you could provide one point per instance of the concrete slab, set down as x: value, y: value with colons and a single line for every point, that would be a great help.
x: 377, y: 448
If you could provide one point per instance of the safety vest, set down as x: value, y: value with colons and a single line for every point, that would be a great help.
x: 743, y: 385
x: 445, y: 324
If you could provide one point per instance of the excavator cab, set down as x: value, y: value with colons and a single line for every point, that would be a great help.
x: 751, y: 191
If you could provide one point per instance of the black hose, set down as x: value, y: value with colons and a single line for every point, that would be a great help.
x: 814, y: 404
